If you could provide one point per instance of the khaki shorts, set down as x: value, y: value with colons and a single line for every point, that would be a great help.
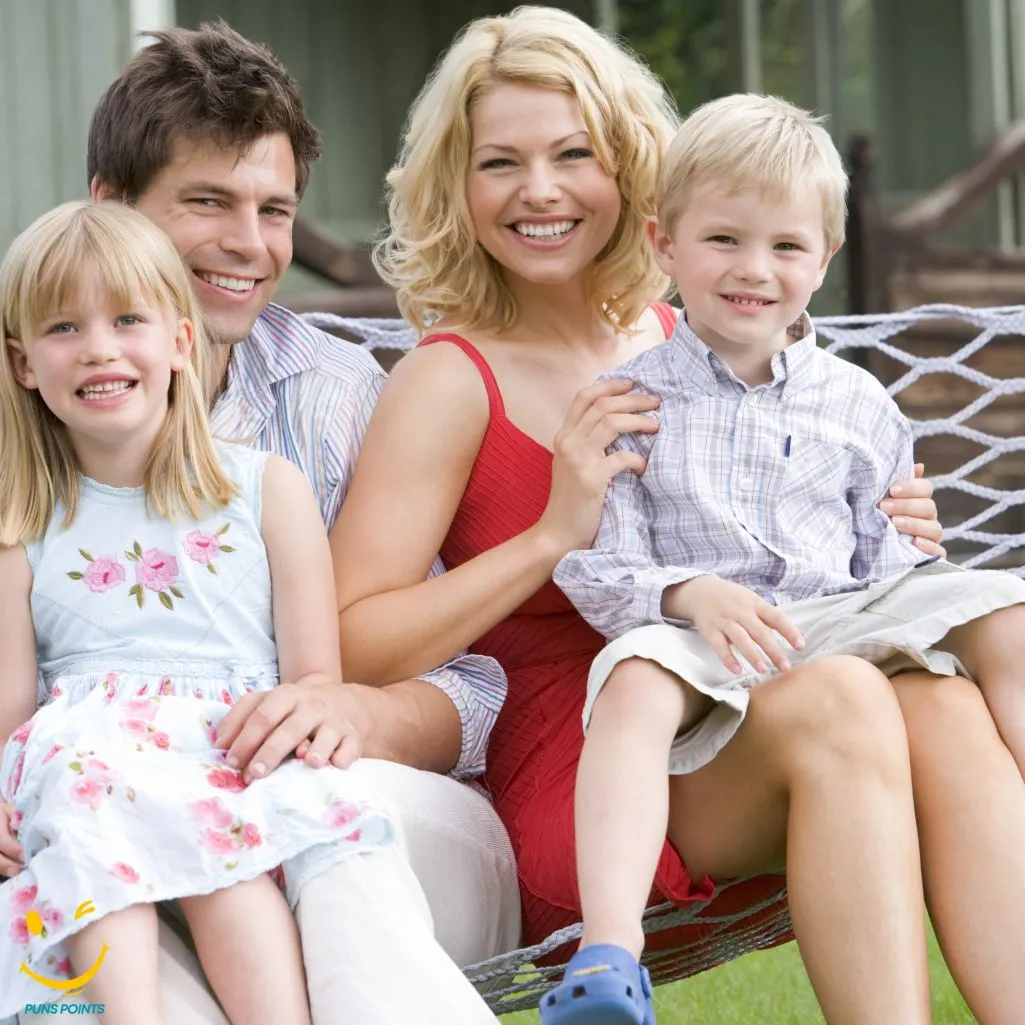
x: 896, y: 624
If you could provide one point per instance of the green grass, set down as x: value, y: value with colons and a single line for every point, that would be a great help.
x: 770, y: 987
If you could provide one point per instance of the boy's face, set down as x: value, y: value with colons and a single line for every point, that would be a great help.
x: 746, y: 265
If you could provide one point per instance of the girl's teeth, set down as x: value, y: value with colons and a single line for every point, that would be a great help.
x: 556, y: 230
x: 94, y: 391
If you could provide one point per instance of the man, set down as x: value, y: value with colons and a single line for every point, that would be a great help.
x: 205, y: 133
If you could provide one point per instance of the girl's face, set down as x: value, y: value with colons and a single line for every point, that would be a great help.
x: 105, y: 371
x: 540, y: 201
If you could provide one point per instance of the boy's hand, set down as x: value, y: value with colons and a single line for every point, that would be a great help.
x: 732, y: 616
x: 11, y: 854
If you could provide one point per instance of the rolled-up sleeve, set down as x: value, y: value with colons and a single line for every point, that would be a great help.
x: 476, y: 685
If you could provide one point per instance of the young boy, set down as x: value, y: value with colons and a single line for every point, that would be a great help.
x: 759, y: 495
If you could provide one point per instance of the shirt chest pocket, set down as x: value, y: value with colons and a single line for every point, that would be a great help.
x: 813, y: 509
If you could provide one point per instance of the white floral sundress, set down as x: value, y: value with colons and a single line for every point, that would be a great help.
x: 147, y: 631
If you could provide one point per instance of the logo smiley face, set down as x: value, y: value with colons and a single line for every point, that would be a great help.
x: 34, y: 922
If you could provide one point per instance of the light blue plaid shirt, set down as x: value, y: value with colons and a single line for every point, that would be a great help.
x: 306, y: 395
x: 773, y: 487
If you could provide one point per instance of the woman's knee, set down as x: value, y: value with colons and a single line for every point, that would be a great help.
x: 839, y: 707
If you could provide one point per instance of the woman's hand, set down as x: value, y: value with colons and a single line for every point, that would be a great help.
x: 732, y: 617
x: 909, y: 504
x: 582, y: 469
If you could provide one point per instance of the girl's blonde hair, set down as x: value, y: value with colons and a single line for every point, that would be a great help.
x: 431, y: 255
x: 750, y: 141
x: 41, y: 274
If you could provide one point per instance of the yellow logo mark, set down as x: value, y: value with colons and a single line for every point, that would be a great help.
x: 593, y: 970
x: 34, y: 923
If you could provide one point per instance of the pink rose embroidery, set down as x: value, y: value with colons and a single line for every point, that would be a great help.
x: 142, y: 708
x: 101, y: 574
x: 161, y: 740
x: 104, y: 572
x: 124, y: 872
x: 219, y: 843
x: 52, y: 917
x: 251, y: 835
x: 52, y: 753
x: 85, y: 791
x: 16, y: 820
x: 63, y: 967
x: 210, y: 811
x: 202, y: 546
x: 166, y: 687
x: 15, y: 780
x: 22, y: 900
x: 19, y: 931
x: 21, y: 734
x: 226, y: 698
x: 226, y: 779
x: 155, y: 570
x: 340, y: 814
x: 99, y: 772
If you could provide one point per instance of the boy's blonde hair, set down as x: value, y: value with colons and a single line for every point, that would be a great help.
x: 431, y: 255
x: 747, y: 141
x: 42, y: 273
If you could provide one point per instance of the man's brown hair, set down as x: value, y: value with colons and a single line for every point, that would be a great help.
x: 209, y: 85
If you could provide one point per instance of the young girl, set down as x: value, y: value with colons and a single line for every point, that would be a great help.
x: 137, y: 557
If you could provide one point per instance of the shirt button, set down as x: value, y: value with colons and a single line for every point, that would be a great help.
x: 747, y: 483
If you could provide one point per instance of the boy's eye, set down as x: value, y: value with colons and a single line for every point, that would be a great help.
x: 129, y: 319
x: 789, y: 247
x: 726, y: 240
x: 62, y: 327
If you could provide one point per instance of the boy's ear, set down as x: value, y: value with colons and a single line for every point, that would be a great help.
x: 23, y: 372
x: 662, y: 246
x: 830, y: 253
x: 184, y: 339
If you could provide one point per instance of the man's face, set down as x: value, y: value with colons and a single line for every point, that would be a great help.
x: 230, y: 217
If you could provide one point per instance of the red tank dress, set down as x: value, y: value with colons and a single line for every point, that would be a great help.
x: 546, y: 649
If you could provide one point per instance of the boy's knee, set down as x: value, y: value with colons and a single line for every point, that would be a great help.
x: 636, y: 688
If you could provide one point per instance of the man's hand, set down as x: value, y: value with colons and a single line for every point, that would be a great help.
x: 322, y: 720
x: 11, y: 854
x: 732, y: 616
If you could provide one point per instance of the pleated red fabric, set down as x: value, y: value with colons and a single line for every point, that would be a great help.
x: 546, y: 649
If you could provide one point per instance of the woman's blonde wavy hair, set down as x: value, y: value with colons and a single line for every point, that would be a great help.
x: 430, y: 254
x: 42, y: 273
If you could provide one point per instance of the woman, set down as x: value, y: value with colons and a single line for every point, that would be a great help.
x: 517, y: 218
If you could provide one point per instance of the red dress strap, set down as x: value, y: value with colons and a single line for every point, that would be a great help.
x: 666, y: 317
x: 487, y: 375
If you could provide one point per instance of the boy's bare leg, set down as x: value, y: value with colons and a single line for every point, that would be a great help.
x: 622, y: 795
x: 992, y: 649
x: 127, y: 983
x: 248, y: 945
x: 970, y: 801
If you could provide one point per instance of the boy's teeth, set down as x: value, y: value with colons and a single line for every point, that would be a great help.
x: 234, y: 284
x: 92, y: 391
x: 554, y: 230
x: 747, y: 302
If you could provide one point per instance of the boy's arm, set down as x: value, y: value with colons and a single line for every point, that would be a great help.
x: 617, y: 585
x: 879, y: 550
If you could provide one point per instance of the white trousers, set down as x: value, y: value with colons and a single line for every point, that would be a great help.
x: 383, y: 932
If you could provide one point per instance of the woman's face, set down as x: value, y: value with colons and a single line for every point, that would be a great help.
x: 540, y: 201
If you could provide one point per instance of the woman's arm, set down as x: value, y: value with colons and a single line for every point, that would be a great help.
x: 414, y: 466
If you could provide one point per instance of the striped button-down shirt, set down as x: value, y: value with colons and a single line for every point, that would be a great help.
x: 308, y: 396
x: 773, y: 487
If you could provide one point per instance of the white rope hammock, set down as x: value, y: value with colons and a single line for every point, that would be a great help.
x: 511, y: 982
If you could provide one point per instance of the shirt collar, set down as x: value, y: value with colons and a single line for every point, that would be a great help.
x: 280, y: 345
x: 793, y: 368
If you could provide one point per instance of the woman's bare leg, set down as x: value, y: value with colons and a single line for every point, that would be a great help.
x: 622, y: 796
x: 127, y: 981
x: 818, y: 778
x: 970, y: 800
x: 248, y: 945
